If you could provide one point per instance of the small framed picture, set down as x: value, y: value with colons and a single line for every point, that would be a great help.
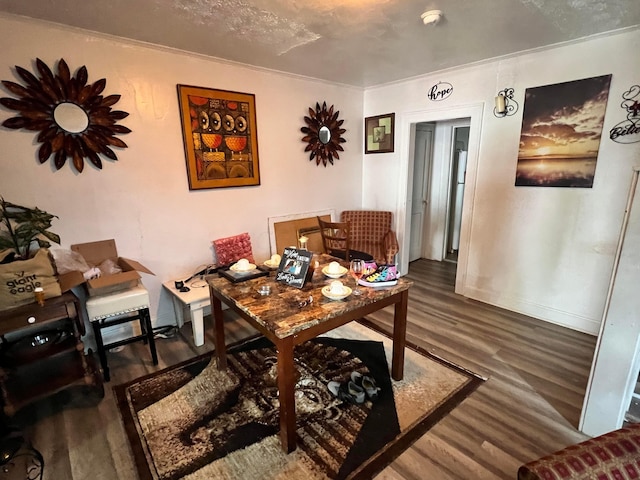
x: 378, y: 133
x: 294, y: 267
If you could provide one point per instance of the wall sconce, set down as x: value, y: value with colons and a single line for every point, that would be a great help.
x: 505, y: 104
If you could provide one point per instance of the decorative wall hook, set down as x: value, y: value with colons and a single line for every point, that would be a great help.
x: 505, y: 104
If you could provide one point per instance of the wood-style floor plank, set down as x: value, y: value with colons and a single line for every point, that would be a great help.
x: 529, y: 406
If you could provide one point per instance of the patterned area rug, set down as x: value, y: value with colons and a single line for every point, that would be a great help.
x: 193, y: 422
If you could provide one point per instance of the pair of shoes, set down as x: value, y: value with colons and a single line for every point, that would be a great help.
x: 347, y: 392
x: 368, y: 384
x: 384, y: 273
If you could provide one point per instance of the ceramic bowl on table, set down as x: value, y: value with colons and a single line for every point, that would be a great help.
x: 334, y: 270
x: 273, y: 262
x: 336, y: 290
x: 242, y: 266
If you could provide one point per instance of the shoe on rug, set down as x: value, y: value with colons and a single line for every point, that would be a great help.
x: 368, y: 384
x: 347, y: 392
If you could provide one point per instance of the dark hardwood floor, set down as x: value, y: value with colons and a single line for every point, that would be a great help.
x: 529, y: 406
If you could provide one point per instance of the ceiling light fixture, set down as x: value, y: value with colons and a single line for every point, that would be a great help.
x: 431, y: 17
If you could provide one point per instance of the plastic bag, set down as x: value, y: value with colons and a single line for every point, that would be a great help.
x: 109, y: 267
x: 69, y: 261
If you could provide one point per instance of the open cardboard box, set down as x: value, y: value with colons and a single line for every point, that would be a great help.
x: 95, y: 253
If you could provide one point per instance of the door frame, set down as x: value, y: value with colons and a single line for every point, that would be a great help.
x: 407, y: 123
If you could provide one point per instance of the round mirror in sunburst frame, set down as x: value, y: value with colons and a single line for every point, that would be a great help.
x: 323, y: 134
x: 74, y: 120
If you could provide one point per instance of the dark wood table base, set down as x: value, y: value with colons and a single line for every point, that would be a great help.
x: 281, y: 319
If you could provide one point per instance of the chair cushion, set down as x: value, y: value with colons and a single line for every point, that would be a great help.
x: 119, y: 303
x: 614, y: 455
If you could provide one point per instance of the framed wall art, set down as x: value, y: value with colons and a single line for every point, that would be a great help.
x: 220, y: 137
x: 378, y: 133
x: 561, y: 130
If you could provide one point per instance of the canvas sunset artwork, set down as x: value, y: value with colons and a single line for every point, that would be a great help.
x: 561, y: 130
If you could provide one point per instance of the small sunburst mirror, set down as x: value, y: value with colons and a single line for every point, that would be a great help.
x: 74, y: 120
x: 323, y: 134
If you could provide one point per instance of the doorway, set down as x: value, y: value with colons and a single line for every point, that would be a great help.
x: 436, y: 210
x: 438, y: 181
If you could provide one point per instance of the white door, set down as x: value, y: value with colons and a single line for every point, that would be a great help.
x: 421, y: 168
x: 614, y: 371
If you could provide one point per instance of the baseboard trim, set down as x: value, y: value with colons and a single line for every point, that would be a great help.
x: 542, y: 312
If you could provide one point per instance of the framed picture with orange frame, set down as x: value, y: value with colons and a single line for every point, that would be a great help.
x: 220, y: 137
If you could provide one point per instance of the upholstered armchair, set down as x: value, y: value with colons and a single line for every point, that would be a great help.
x: 371, y: 233
x: 611, y: 455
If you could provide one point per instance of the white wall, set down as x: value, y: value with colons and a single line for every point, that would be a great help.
x: 546, y: 252
x: 143, y: 200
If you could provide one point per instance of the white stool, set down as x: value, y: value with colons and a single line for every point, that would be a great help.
x: 117, y: 308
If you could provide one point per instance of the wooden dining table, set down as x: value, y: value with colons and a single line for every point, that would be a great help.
x: 288, y: 316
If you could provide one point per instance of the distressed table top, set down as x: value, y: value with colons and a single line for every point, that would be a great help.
x: 282, y: 313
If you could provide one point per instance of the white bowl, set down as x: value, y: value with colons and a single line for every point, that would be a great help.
x: 339, y: 274
x: 326, y: 291
x: 237, y: 269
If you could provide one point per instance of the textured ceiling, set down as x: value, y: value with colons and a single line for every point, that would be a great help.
x: 356, y: 42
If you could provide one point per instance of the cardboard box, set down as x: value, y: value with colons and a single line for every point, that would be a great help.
x: 95, y: 253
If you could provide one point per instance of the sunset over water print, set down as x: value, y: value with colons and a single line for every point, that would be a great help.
x: 561, y: 130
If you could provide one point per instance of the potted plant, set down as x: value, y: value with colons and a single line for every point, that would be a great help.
x: 21, y: 227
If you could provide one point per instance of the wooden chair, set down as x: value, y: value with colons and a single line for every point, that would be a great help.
x: 335, y: 238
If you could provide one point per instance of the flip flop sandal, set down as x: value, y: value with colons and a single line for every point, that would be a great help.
x: 347, y: 392
x: 368, y: 384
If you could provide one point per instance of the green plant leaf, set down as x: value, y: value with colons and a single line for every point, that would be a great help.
x: 20, y: 227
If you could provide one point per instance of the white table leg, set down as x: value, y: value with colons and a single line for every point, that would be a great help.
x: 197, y: 325
x: 178, y: 307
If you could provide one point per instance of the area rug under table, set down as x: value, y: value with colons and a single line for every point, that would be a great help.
x: 194, y: 422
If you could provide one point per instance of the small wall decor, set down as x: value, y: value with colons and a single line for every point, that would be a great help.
x: 379, y: 132
x: 505, y: 104
x: 628, y: 131
x: 561, y: 129
x: 73, y: 118
x: 220, y: 137
x: 323, y: 134
x: 440, y: 91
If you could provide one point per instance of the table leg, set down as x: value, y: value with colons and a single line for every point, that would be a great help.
x: 286, y: 394
x: 177, y: 309
x: 218, y: 332
x: 399, y: 336
x: 197, y: 325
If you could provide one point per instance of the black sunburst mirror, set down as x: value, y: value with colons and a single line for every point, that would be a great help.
x: 74, y: 120
x: 323, y: 134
